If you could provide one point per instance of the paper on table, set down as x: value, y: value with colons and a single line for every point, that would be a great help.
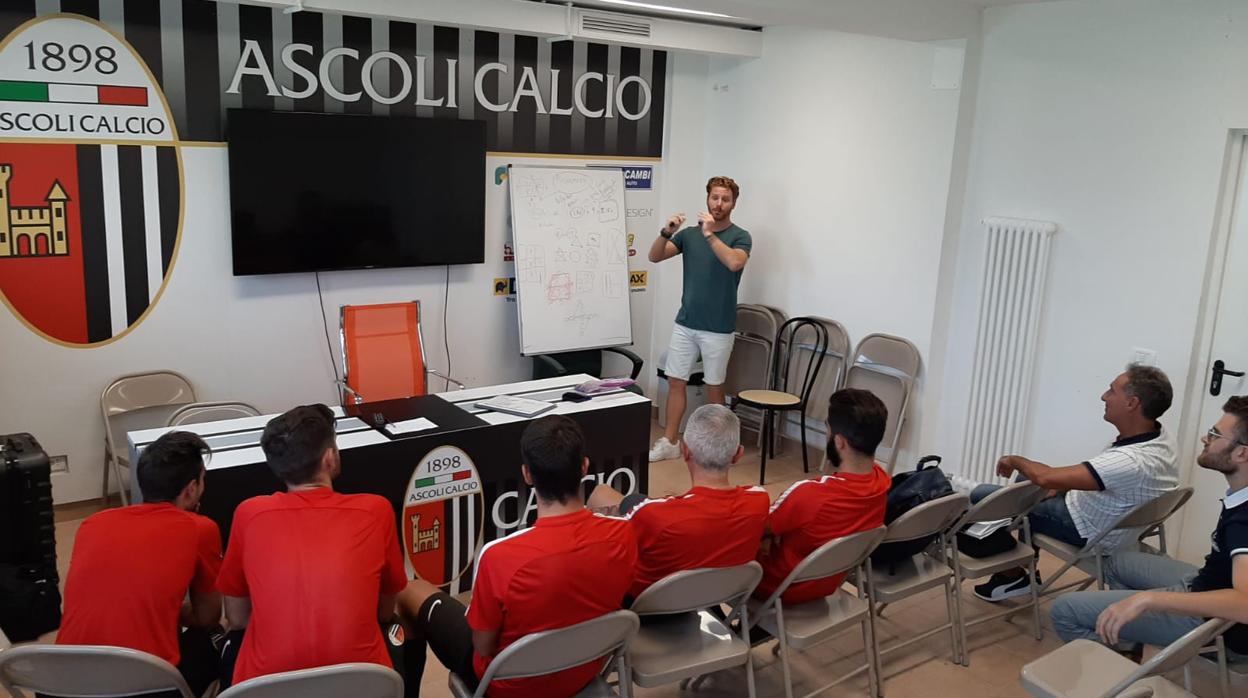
x: 409, y: 426
x: 983, y: 529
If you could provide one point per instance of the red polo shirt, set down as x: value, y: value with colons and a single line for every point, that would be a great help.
x: 811, y: 513
x: 705, y: 527
x: 562, y: 571
x: 130, y: 569
x: 314, y: 563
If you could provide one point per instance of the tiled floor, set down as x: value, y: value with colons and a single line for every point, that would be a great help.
x: 998, y: 649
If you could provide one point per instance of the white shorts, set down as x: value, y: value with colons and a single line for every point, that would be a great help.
x: 687, y: 345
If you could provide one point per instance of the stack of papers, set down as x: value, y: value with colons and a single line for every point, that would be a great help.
x: 409, y: 426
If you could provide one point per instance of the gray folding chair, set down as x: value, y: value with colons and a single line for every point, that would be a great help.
x: 749, y: 366
x: 681, y: 639
x: 137, y: 401
x: 1146, y: 517
x: 887, y: 366
x: 87, y: 671
x: 549, y: 651
x: 200, y: 412
x: 920, y: 572
x: 807, y: 624
x: 1011, y: 502
x: 1159, y: 530
x: 1086, y: 669
x: 358, y: 680
x: 1156, y: 687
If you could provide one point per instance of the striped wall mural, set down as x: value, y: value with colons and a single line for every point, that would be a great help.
x: 194, y: 47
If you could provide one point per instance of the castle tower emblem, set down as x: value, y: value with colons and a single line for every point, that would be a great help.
x: 33, y: 231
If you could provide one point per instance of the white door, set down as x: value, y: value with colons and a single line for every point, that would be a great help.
x: 1230, y: 347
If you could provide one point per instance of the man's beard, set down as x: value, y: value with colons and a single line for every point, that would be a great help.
x: 834, y: 458
x: 1215, y: 461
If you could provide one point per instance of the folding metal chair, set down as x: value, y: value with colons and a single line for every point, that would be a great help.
x: 383, y: 352
x: 358, y: 680
x: 550, y: 651
x: 1145, y: 518
x: 200, y: 412
x: 1086, y: 669
x: 920, y: 572
x: 137, y: 401
x: 87, y: 671
x: 680, y: 638
x: 1013, y: 502
x: 749, y: 366
x: 887, y: 366
x: 807, y: 624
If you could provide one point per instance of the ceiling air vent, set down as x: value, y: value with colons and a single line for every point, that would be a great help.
x: 615, y: 24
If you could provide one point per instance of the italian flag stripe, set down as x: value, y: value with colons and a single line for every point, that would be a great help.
x: 442, y: 479
x: 69, y: 93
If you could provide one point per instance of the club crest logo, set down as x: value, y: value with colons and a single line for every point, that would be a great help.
x: 442, y: 515
x: 91, y: 194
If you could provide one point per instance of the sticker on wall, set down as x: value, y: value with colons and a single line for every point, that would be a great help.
x: 632, y: 252
x: 509, y: 254
x: 443, y: 516
x: 638, y: 177
x: 505, y: 287
x: 500, y: 175
x: 637, y: 281
x: 91, y: 186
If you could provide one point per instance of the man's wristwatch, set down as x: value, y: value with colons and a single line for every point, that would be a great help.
x: 664, y: 234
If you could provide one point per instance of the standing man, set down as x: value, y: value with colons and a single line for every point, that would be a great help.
x: 715, y: 253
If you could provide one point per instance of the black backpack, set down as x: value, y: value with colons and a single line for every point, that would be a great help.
x: 909, y: 490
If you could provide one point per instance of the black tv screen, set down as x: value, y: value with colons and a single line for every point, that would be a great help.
x: 315, y: 192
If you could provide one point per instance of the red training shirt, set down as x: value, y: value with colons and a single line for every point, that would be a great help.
x: 564, y: 570
x: 813, y: 512
x: 130, y: 569
x: 705, y: 527
x: 314, y: 563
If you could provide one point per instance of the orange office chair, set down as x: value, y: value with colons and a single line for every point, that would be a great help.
x: 383, y: 353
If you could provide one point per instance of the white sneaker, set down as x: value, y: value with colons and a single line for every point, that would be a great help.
x: 664, y: 450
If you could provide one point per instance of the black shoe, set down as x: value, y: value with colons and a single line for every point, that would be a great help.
x: 1003, y: 585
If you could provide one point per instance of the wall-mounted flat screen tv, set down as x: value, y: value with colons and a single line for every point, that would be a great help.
x: 316, y: 192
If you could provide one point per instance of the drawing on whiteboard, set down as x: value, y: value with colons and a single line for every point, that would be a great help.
x: 530, y: 264
x: 608, y: 211
x: 559, y: 288
x: 584, y: 282
x: 613, y: 285
x: 571, y: 182
x: 580, y: 317
x: 615, y: 248
x: 577, y: 212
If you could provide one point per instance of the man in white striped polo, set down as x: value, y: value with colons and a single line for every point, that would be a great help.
x: 1089, y: 497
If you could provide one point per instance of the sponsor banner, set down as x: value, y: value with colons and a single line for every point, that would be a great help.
x: 566, y: 97
x: 505, y: 287
x: 90, y: 181
x: 637, y: 280
x: 442, y: 496
x: 638, y: 177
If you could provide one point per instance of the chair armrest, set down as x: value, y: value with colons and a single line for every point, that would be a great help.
x: 445, y: 377
x: 637, y: 360
x: 355, y: 397
x: 552, y: 363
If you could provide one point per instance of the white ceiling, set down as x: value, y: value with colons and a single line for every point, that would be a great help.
x: 917, y: 20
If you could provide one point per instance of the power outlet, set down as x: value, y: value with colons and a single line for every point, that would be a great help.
x: 60, y: 464
x: 1145, y: 357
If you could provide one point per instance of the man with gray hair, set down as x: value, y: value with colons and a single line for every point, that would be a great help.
x: 714, y: 524
x: 1089, y: 497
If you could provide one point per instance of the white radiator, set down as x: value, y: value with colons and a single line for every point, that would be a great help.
x: 1011, y: 295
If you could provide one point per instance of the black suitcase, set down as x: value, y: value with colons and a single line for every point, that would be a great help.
x: 30, y: 602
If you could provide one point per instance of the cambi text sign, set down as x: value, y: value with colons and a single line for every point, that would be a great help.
x: 91, y: 179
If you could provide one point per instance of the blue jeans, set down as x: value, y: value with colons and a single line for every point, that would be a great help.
x: 1074, y: 615
x: 1050, y: 517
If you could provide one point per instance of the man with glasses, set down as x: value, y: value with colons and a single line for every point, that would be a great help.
x: 133, y: 567
x: 1180, y: 596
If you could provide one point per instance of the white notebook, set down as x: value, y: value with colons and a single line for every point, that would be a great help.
x: 519, y: 406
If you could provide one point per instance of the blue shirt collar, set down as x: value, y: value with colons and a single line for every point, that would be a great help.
x: 1234, y: 499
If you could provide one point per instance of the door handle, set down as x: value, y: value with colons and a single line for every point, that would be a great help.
x: 1219, y: 370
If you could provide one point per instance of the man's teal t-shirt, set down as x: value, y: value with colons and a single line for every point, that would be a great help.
x: 709, y: 299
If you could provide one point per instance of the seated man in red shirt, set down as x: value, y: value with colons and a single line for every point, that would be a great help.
x: 813, y: 512
x: 133, y: 567
x: 309, y: 572
x: 714, y: 524
x: 571, y: 566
